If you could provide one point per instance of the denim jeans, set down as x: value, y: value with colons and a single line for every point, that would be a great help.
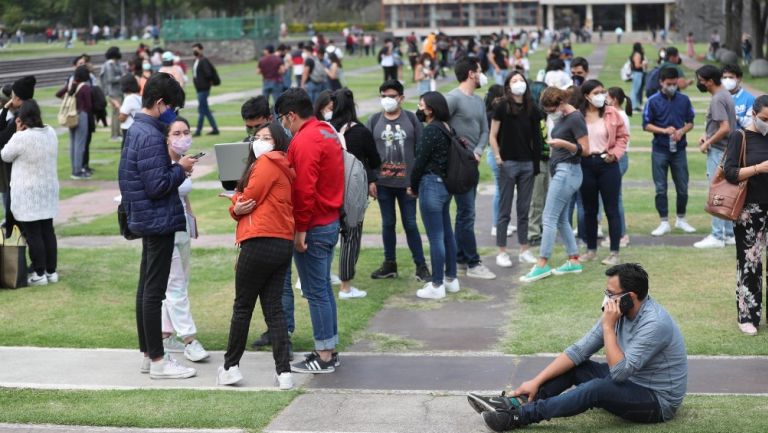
x: 287, y: 299
x: 314, y: 267
x: 497, y: 194
x: 637, y: 88
x: 204, y: 111
x: 274, y: 88
x: 435, y: 203
x: 387, y: 197
x: 721, y: 228
x: 466, y: 243
x: 77, y: 139
x: 623, y: 167
x: 593, y: 388
x: 600, y: 179
x: 500, y: 77
x: 313, y: 89
x: 677, y: 163
x: 566, y: 179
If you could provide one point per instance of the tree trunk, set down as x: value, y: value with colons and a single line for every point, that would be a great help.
x: 734, y: 18
x: 758, y: 27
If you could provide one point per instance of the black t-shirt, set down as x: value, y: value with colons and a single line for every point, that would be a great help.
x: 570, y: 128
x: 500, y: 56
x: 516, y: 139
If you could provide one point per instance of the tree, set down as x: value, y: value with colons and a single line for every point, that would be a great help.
x: 758, y: 11
x: 734, y: 10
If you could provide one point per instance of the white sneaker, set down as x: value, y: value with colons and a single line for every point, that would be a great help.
x: 606, y: 243
x: 503, y: 260
x: 169, y: 368
x: 748, y: 328
x: 729, y: 240
x: 298, y: 284
x: 431, y: 292
x: 527, y: 257
x: 600, y: 232
x: 354, y: 292
x: 452, y: 286
x: 493, y: 231
x: 36, y: 280
x: 624, y: 242
x: 173, y: 344
x: 335, y: 280
x: 662, y: 229
x: 710, y: 242
x: 511, y: 230
x: 683, y: 225
x: 284, y: 381
x: 228, y: 377
x: 480, y: 271
x: 145, y: 364
x: 194, y: 351
x: 54, y: 277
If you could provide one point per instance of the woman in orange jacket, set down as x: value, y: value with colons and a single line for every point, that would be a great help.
x: 263, y: 209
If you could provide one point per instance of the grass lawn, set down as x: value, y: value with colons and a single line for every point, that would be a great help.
x: 144, y: 408
x: 32, y: 50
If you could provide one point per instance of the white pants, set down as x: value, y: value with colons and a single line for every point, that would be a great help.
x: 176, y: 312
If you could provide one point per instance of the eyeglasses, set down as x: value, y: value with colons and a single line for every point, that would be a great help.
x: 613, y: 295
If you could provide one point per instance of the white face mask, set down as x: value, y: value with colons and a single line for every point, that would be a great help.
x: 670, y: 90
x: 518, y: 88
x: 762, y: 127
x: 606, y: 300
x: 598, y: 100
x: 483, y: 80
x: 260, y: 147
x: 389, y: 104
x: 328, y: 115
x: 556, y: 116
x: 729, y: 84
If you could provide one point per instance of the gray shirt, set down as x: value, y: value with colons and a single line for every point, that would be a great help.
x: 721, y: 108
x: 570, y: 128
x: 654, y: 354
x: 468, y: 118
x: 396, y: 144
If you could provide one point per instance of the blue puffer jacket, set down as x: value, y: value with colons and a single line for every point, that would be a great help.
x: 149, y: 182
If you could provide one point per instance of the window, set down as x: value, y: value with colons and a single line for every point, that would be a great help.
x: 525, y: 14
x: 451, y: 15
x: 491, y: 14
x: 408, y: 15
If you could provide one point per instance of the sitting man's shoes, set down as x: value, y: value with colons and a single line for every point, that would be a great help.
x: 481, y: 403
x: 262, y: 341
x: 502, y: 420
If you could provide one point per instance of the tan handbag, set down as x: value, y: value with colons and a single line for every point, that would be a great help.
x: 726, y: 200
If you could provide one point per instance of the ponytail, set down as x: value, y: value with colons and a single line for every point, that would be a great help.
x: 617, y: 93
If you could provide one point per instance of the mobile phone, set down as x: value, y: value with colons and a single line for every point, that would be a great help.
x: 198, y: 155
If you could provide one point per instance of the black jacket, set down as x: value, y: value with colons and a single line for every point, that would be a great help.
x: 205, y: 76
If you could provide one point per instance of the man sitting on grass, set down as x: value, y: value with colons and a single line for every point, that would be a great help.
x: 643, y: 380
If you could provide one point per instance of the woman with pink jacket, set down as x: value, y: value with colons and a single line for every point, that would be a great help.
x: 608, y: 138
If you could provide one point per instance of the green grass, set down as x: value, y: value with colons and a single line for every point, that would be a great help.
x: 34, y: 50
x: 144, y: 408
x: 98, y: 287
x: 67, y: 192
x: 695, y: 286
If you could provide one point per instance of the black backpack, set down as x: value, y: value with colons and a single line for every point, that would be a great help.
x: 652, y: 82
x: 463, y: 174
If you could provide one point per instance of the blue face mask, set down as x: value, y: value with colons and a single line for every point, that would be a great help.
x: 168, y: 116
x: 288, y: 132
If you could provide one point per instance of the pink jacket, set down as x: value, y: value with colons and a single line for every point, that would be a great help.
x: 618, y: 136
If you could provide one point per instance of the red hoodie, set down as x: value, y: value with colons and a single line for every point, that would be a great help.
x: 318, y: 191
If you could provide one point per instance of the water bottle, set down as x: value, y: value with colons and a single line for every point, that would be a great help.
x: 672, y: 144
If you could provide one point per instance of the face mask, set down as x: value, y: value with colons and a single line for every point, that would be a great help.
x: 421, y: 116
x: 287, y: 131
x: 181, y: 145
x: 518, y: 88
x: 606, y: 300
x: 598, y: 100
x: 702, y: 88
x: 670, y: 90
x: 483, y: 80
x: 761, y: 126
x: 168, y: 116
x: 427, y: 64
x: 146, y: 66
x: 729, y: 84
x: 389, y: 104
x: 556, y: 116
x: 260, y: 147
x: 577, y: 80
x: 328, y: 115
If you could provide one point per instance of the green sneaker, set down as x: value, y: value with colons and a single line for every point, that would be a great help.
x: 536, y: 273
x: 568, y: 268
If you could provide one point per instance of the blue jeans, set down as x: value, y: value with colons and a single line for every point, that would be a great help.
x: 313, y: 89
x: 78, y: 136
x: 204, y: 111
x: 623, y: 167
x: 287, y: 301
x: 721, y: 228
x: 314, y: 266
x: 387, y: 197
x: 636, y: 95
x: 466, y: 243
x: 677, y: 163
x: 565, y: 181
x: 500, y: 76
x: 274, y: 88
x: 435, y: 203
x: 496, y: 195
x: 593, y: 388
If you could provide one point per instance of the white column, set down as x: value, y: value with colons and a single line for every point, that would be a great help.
x: 590, y: 19
x: 393, y: 17
x: 510, y: 14
x: 550, y: 17
x: 628, y: 18
x: 472, y: 15
x: 433, y: 16
x: 667, y: 16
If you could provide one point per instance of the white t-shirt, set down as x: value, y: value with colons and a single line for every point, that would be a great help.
x: 131, y: 106
x: 558, y: 79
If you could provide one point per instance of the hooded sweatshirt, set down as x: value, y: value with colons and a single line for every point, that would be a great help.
x: 270, y: 187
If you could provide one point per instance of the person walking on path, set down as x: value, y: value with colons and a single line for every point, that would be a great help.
x: 637, y: 65
x: 669, y: 115
x: 691, y: 50
x: 149, y: 186
x: 271, y: 68
x: 751, y: 228
x: 516, y: 144
x: 204, y: 76
x: 721, y: 121
x: 569, y: 143
x: 396, y: 132
x: 35, y: 189
x: 427, y: 183
x: 111, y: 73
x: 80, y: 89
x: 263, y: 208
x: 467, y: 117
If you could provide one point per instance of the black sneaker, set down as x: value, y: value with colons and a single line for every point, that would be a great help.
x: 335, y: 359
x: 502, y: 420
x: 388, y: 269
x: 422, y: 273
x: 481, y: 403
x: 262, y: 341
x: 313, y: 364
x: 214, y: 132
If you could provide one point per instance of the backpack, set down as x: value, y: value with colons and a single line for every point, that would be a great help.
x: 68, y: 110
x: 652, y: 82
x: 355, y: 186
x: 463, y: 174
x: 626, y: 71
x: 318, y: 73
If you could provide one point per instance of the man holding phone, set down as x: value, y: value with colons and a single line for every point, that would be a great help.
x: 643, y: 379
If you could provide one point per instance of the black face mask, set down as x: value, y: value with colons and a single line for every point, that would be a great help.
x: 578, y: 80
x: 702, y: 88
x: 421, y: 116
x: 196, y: 53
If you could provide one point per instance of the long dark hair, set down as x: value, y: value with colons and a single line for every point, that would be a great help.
x: 344, y: 111
x: 585, y: 90
x: 638, y: 48
x: 281, y: 144
x: 494, y: 92
x: 439, y: 106
x: 617, y: 93
x: 323, y: 99
x: 512, y: 107
x: 29, y: 113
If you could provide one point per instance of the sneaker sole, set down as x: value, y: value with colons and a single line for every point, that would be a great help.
x: 384, y: 277
x: 478, y: 404
x: 197, y: 359
x: 172, y: 376
x: 556, y: 272
x: 228, y: 383
x: 304, y: 371
x: 525, y: 279
x: 481, y: 277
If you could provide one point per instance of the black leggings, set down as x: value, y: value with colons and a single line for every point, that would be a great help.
x: 41, y: 240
